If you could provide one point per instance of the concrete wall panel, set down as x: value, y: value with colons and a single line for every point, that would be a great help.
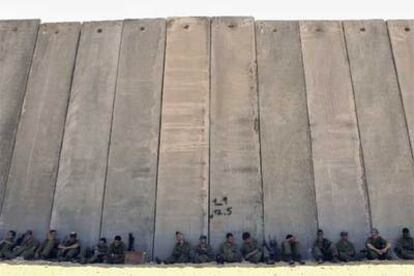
x: 288, y: 188
x: 235, y: 188
x: 83, y: 162
x: 132, y: 168
x: 17, y: 41
x: 32, y: 178
x: 341, y: 194
x: 384, y: 137
x: 182, y: 191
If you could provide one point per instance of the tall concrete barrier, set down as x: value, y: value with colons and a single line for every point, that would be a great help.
x: 17, y: 40
x: 236, y: 203
x: 384, y: 137
x: 183, y: 171
x: 341, y: 194
x: 32, y: 178
x: 132, y: 168
x: 79, y: 192
x: 288, y: 187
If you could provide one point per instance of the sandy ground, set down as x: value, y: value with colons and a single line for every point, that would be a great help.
x: 65, y: 269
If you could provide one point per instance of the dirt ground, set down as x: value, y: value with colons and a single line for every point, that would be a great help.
x: 66, y: 269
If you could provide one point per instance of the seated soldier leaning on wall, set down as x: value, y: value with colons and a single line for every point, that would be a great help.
x: 251, y: 250
x: 27, y: 247
x: 69, y: 249
x: 405, y: 246
x: 291, y: 250
x: 7, y: 245
x: 229, y: 251
x: 49, y: 248
x: 116, y: 251
x: 323, y: 249
x: 346, y: 249
x: 203, y: 253
x: 377, y: 247
x: 181, y: 252
x: 97, y: 254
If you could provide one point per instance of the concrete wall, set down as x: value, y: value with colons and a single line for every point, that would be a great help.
x: 206, y: 125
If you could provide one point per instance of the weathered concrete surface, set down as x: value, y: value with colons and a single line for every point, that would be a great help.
x: 340, y: 190
x: 401, y: 34
x: 384, y: 137
x: 83, y: 162
x: 17, y: 41
x: 32, y: 178
x: 130, y: 188
x: 183, y: 173
x: 235, y: 181
x: 288, y: 189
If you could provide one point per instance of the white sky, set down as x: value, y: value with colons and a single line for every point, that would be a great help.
x: 84, y: 10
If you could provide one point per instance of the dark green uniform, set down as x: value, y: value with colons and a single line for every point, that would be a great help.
x: 346, y: 251
x: 27, y: 249
x: 96, y: 255
x: 324, y: 250
x: 116, y: 253
x: 203, y: 253
x: 291, y: 251
x: 251, y: 251
x: 6, y: 249
x: 405, y: 248
x: 48, y: 249
x: 66, y: 255
x: 378, y: 243
x: 180, y: 254
x: 229, y: 252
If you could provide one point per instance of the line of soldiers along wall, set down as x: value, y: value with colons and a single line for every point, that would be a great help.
x: 207, y: 126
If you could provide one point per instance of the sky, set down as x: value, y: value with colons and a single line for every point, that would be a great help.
x: 84, y: 10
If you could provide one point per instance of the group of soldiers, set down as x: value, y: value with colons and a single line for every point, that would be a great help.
x: 69, y: 250
x: 28, y: 247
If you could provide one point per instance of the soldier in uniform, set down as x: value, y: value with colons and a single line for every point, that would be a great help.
x: 405, y: 245
x: 27, y: 248
x: 229, y: 251
x: 116, y: 252
x: 181, y: 252
x: 7, y: 245
x: 346, y: 249
x: 69, y: 249
x: 49, y: 248
x: 377, y: 247
x: 96, y: 255
x: 250, y: 249
x: 291, y: 250
x: 203, y: 253
x: 323, y: 249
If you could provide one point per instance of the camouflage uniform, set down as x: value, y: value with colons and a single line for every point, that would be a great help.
x: 180, y: 254
x: 291, y: 251
x: 405, y: 248
x: 67, y: 255
x: 27, y: 249
x: 251, y: 251
x: 346, y: 251
x: 116, y: 253
x: 324, y: 250
x: 203, y: 253
x: 6, y: 248
x: 378, y: 243
x: 48, y: 249
x: 96, y: 255
x: 229, y: 252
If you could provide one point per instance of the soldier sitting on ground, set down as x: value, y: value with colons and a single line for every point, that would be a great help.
x: 69, y: 250
x: 405, y: 245
x: 251, y: 250
x: 273, y: 250
x: 203, y: 253
x: 27, y: 247
x: 229, y: 251
x: 181, y: 252
x: 346, y: 249
x: 7, y: 245
x: 116, y: 252
x: 323, y: 249
x: 291, y: 250
x: 377, y: 247
x: 98, y: 254
x: 49, y: 248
